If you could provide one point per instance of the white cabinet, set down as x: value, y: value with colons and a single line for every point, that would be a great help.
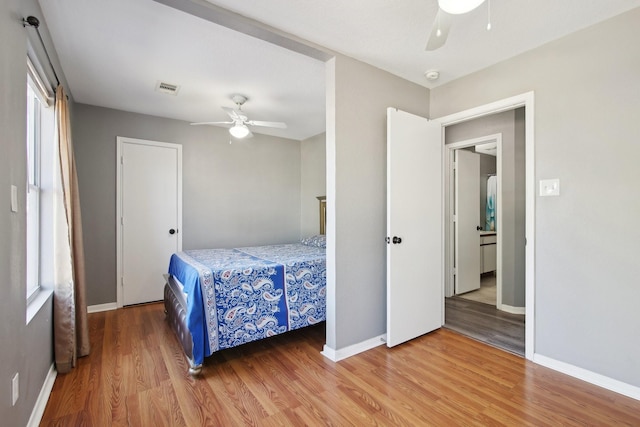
x: 488, y: 255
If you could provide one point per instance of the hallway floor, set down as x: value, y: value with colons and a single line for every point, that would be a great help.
x: 475, y: 315
x: 487, y: 292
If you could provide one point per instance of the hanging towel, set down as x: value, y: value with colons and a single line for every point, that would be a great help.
x: 490, y: 224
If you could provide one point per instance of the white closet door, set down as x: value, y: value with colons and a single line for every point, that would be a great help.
x: 150, y: 194
x: 414, y: 226
x: 467, y: 207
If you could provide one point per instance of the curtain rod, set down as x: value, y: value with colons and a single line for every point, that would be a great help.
x: 34, y: 22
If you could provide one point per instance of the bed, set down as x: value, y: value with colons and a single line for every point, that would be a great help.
x: 222, y: 298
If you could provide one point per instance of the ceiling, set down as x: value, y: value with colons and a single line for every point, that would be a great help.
x: 114, y: 52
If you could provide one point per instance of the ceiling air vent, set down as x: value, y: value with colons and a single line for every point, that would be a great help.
x: 167, y: 88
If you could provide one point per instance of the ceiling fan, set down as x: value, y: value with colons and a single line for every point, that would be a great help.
x: 240, y: 121
x: 442, y: 23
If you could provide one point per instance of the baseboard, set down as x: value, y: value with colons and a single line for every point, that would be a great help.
x: 512, y: 309
x: 43, y: 398
x: 589, y: 376
x: 102, y: 307
x: 352, y: 350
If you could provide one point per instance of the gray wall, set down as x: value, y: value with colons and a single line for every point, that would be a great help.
x: 512, y: 223
x: 587, y: 95
x: 239, y: 194
x: 313, y: 182
x: 356, y: 159
x: 26, y: 349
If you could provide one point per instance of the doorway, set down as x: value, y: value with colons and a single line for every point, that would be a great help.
x: 473, y: 164
x: 491, y: 248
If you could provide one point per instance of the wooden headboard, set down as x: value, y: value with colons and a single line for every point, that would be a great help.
x: 322, y: 200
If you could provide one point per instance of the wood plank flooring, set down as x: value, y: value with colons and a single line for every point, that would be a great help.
x: 485, y: 323
x: 136, y: 375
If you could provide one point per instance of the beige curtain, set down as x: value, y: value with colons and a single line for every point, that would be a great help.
x: 70, y: 328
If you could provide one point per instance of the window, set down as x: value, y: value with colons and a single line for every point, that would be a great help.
x: 34, y: 133
x: 40, y: 157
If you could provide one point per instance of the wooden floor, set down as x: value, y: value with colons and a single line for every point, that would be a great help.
x: 136, y: 375
x: 486, y: 323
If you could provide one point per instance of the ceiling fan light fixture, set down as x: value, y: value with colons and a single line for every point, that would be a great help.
x: 239, y: 131
x: 457, y: 7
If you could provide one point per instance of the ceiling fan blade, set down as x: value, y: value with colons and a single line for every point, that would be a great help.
x: 439, y: 31
x: 278, y: 125
x: 211, y: 123
x: 232, y: 113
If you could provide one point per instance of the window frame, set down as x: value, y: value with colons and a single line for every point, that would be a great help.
x: 34, y: 146
x: 40, y: 141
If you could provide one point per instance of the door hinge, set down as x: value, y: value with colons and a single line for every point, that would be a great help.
x: 454, y: 218
x: 455, y: 165
x: 122, y: 160
x: 121, y: 220
x: 122, y: 282
x: 455, y: 271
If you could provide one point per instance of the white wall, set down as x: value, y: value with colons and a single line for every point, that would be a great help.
x: 357, y: 98
x: 240, y: 194
x: 313, y: 182
x: 587, y: 93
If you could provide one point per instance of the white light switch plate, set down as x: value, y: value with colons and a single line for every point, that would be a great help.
x: 550, y: 187
x: 14, y: 198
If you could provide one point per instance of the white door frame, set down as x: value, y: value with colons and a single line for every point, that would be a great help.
x: 449, y: 209
x: 523, y: 100
x: 120, y: 141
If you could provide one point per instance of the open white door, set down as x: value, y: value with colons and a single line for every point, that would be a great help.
x: 414, y: 226
x: 467, y: 211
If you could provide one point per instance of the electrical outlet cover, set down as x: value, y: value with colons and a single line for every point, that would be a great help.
x: 14, y: 198
x: 15, y: 388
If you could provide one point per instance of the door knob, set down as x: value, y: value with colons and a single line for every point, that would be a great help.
x: 172, y: 231
x: 396, y: 240
x: 478, y: 228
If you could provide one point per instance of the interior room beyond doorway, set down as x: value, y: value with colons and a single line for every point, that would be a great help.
x: 485, y: 197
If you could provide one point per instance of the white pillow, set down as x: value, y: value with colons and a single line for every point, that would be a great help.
x: 318, y: 240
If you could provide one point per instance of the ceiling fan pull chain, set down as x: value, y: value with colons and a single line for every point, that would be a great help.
x: 488, y: 15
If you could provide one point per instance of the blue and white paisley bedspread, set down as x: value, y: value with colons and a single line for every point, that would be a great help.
x: 235, y: 296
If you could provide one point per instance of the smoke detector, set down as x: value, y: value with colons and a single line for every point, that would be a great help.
x: 432, y: 74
